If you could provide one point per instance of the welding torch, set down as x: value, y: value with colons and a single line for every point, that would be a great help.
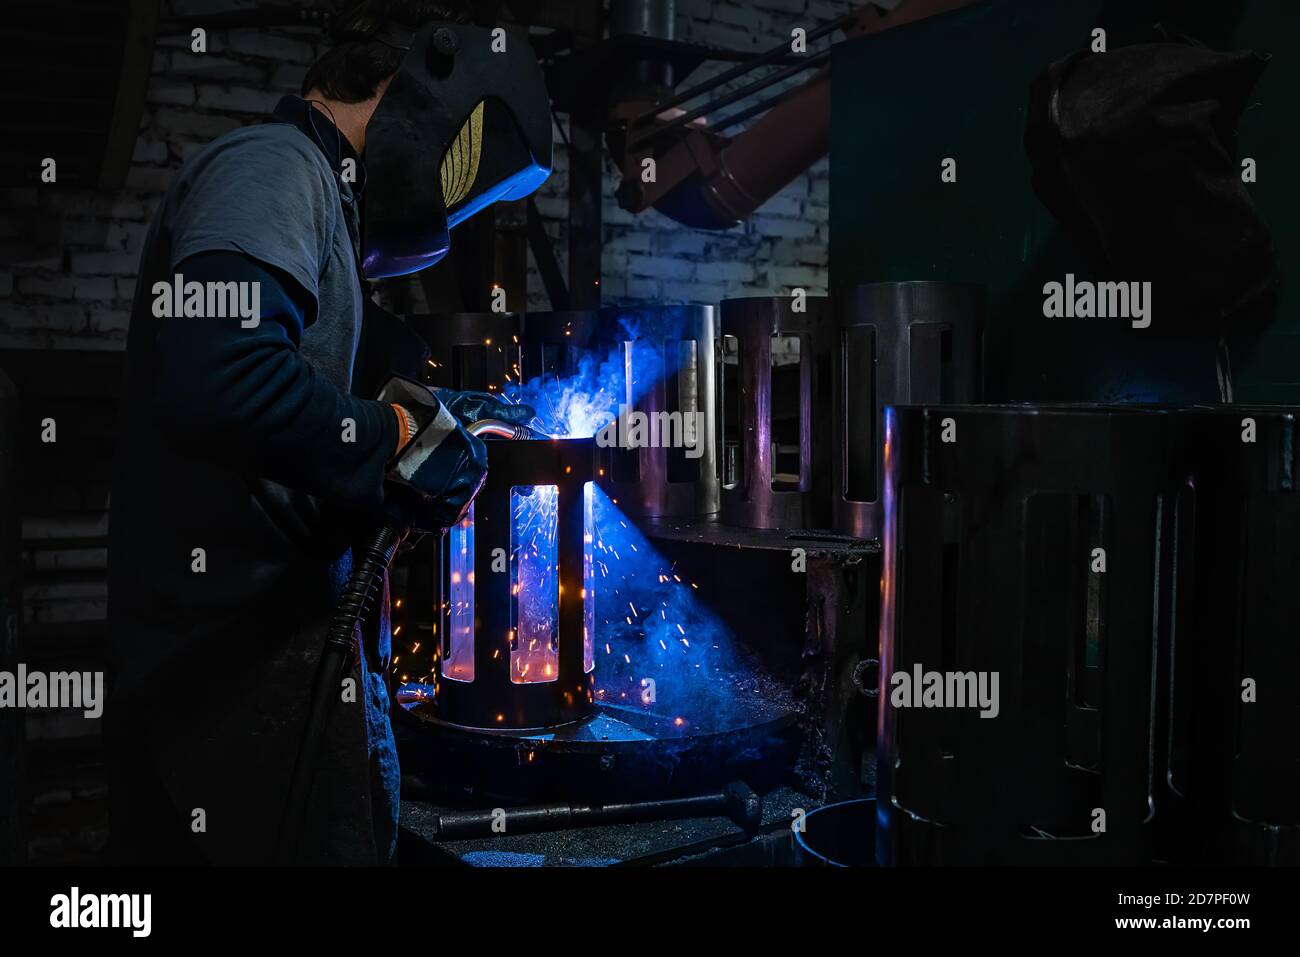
x: 370, y: 563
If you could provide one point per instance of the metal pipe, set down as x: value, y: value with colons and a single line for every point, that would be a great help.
x: 778, y: 51
x: 740, y: 116
x: 764, y: 159
x: 739, y: 94
x: 737, y: 801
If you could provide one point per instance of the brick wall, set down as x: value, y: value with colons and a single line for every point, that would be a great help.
x: 649, y: 257
x: 81, y: 297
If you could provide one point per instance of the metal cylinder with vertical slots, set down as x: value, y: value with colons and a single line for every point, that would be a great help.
x: 661, y: 360
x: 477, y: 351
x: 774, y: 412
x: 897, y: 343
x: 668, y: 353
x: 1021, y: 546
x: 516, y: 595
x: 1229, y: 716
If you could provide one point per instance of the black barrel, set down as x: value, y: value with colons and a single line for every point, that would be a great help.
x: 1230, y: 710
x: 1020, y: 567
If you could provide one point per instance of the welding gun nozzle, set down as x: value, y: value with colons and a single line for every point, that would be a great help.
x: 495, y: 428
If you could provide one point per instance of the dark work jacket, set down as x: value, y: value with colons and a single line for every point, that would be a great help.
x: 229, y: 442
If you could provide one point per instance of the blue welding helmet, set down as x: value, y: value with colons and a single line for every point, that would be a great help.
x: 466, y: 121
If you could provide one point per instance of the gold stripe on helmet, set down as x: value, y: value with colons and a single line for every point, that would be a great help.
x: 460, y: 165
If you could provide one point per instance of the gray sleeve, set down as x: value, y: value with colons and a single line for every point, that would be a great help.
x: 267, y: 194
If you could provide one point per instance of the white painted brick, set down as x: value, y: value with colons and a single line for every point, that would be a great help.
x: 56, y: 287
x: 652, y: 267
x: 804, y: 277
x: 782, y: 6
x: 149, y: 151
x: 211, y: 67
x: 644, y: 290
x: 632, y: 242
x: 238, y: 99
x: 108, y: 320
x: 789, y: 202
x: 281, y: 49
x: 679, y: 244
x: 61, y: 317
x: 105, y: 264
x: 168, y: 123
x: 93, y: 288
x: 102, y: 206
x: 703, y: 293
x: 129, y: 236
x: 175, y: 94
x: 782, y: 226
x: 724, y: 272
x: 728, y: 38
x: 149, y: 179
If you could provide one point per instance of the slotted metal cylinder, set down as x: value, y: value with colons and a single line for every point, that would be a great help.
x: 898, y: 343
x: 516, y: 596
x: 663, y: 359
x: 774, y: 421
x: 1229, y: 716
x: 1021, y: 546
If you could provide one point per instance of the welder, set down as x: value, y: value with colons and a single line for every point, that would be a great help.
x: 253, y: 455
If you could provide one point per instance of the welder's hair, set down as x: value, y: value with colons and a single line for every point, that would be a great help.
x: 359, y: 60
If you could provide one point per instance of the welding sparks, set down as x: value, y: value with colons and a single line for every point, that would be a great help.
x: 684, y: 646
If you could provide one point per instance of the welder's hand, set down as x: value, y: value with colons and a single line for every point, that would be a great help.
x: 471, y: 407
x: 431, y: 486
x: 438, y: 467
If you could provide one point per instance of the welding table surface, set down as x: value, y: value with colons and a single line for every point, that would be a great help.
x: 709, y: 532
x: 649, y: 842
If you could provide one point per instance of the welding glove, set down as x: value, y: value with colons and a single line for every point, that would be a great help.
x: 471, y: 407
x: 438, y: 468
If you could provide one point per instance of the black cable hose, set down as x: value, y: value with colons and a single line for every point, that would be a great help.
x: 368, y: 567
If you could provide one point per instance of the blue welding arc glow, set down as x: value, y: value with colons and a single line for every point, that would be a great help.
x: 651, y: 640
x: 579, y: 405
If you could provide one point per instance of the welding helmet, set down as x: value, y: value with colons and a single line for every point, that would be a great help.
x: 466, y: 121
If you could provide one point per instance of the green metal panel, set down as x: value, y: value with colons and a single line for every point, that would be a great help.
x: 1270, y: 134
x: 958, y: 86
